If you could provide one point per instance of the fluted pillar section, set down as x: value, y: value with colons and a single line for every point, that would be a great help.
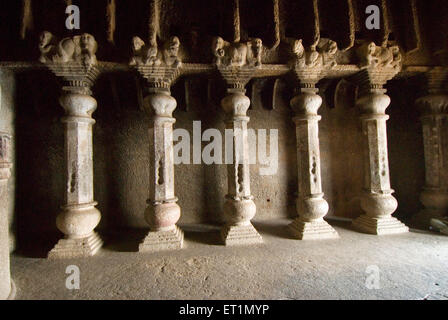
x: 311, y: 206
x: 434, y: 197
x: 162, y: 212
x: 239, y: 207
x: 6, y: 285
x: 79, y: 217
x: 377, y: 200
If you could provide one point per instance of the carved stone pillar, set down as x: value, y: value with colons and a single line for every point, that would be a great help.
x: 6, y: 285
x: 311, y: 206
x: 74, y: 62
x: 309, y: 66
x: 239, y: 207
x: 163, y: 212
x: 160, y: 71
x: 237, y: 63
x: 377, y: 200
x: 434, y: 117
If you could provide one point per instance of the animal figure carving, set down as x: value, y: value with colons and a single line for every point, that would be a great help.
x: 375, y: 56
x: 317, y: 56
x: 237, y: 54
x: 81, y: 49
x: 142, y: 54
x: 150, y: 55
x: 329, y: 51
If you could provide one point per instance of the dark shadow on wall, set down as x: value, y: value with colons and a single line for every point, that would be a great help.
x: 121, y: 159
x: 40, y: 165
x: 406, y: 155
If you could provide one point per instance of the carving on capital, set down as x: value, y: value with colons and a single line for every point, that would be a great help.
x: 159, y: 67
x: 78, y: 49
x: 311, y: 65
x: 150, y: 55
x: 372, y: 56
x: 237, y: 54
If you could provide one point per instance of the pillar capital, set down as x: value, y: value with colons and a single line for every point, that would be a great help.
x: 377, y: 65
x: 433, y: 104
x: 160, y: 66
x: 71, y: 59
x: 435, y: 99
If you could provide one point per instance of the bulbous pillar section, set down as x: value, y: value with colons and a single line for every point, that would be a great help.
x: 311, y: 206
x: 6, y: 285
x: 377, y: 200
x: 239, y: 207
x: 163, y: 211
x: 79, y: 217
x: 434, y: 118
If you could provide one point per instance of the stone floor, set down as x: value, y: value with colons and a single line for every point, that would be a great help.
x: 412, y: 266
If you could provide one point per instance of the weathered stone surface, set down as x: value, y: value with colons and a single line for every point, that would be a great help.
x: 240, y: 235
x: 163, y: 240
x: 312, y: 230
x: 76, y: 248
x: 379, y: 225
x: 5, y: 167
x: 434, y: 118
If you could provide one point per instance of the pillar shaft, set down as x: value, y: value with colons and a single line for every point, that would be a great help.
x: 79, y: 217
x: 162, y: 212
x: 5, y: 167
x: 377, y: 200
x: 239, y: 207
x: 311, y: 207
x: 434, y: 197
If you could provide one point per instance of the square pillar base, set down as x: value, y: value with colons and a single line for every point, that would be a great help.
x: 76, y: 248
x: 313, y: 230
x: 162, y: 240
x: 240, y: 235
x: 422, y: 219
x: 379, y: 226
x: 440, y: 224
